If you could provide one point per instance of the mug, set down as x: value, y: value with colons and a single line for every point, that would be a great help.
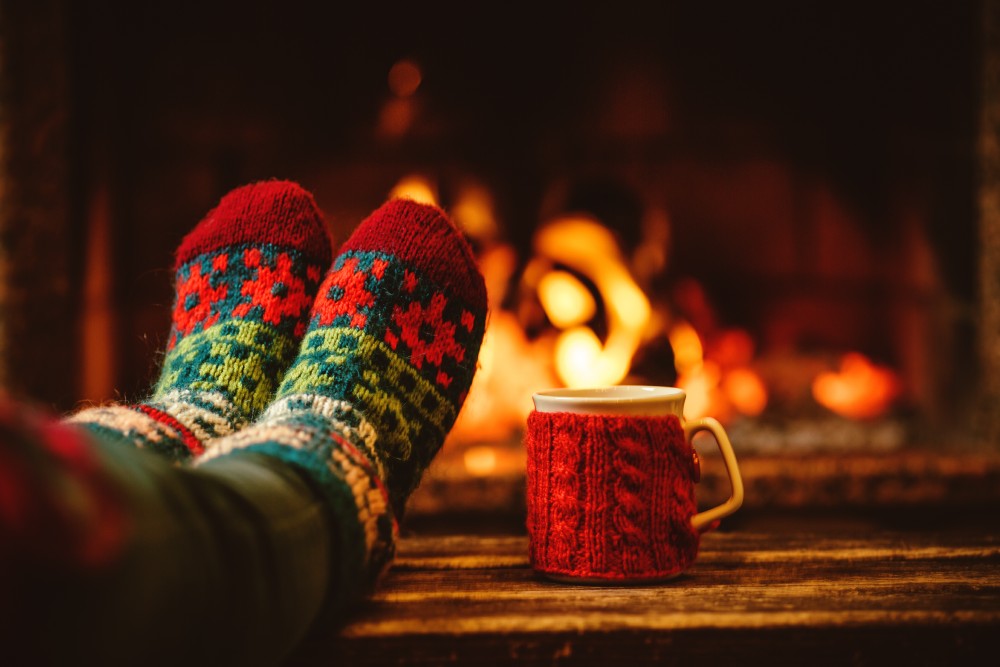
x: 610, y: 484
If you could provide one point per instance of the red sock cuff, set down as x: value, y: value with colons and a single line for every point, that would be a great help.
x: 280, y: 213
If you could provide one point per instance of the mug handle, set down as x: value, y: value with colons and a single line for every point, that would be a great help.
x: 702, y: 520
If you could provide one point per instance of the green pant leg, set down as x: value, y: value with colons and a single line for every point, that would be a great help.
x: 224, y: 564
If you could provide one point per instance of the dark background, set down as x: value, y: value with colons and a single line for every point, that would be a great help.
x: 169, y: 105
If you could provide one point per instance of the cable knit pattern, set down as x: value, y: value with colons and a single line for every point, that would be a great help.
x: 565, y: 496
x: 246, y: 278
x: 632, y: 477
x: 610, y: 497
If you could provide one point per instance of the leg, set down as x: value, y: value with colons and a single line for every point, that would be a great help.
x: 281, y: 523
x: 383, y: 371
x: 115, y: 554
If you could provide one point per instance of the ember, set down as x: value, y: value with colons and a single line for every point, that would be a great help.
x: 859, y: 390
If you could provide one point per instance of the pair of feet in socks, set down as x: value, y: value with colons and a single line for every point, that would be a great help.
x: 351, y: 373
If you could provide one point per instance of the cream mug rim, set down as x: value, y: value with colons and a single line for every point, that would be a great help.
x: 617, y: 399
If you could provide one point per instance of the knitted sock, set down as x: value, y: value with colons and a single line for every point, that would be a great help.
x: 246, y: 277
x: 383, y: 370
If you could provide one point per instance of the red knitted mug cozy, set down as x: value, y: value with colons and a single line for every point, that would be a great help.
x: 610, y: 497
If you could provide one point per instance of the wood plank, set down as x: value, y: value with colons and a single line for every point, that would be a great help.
x: 924, y: 645
x: 782, y: 596
x: 463, y: 552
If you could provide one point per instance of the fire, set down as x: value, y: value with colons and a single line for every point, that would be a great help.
x: 688, y: 353
x: 579, y: 273
x: 511, y: 367
x: 746, y: 391
x: 418, y: 188
x: 480, y: 460
x: 566, y: 300
x: 580, y: 360
x: 473, y: 210
x: 704, y: 398
x: 720, y: 382
x: 859, y: 390
x: 584, y: 245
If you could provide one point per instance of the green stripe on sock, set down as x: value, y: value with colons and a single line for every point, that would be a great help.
x: 350, y: 364
x: 241, y: 359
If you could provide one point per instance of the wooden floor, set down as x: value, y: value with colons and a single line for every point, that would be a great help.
x: 769, y: 592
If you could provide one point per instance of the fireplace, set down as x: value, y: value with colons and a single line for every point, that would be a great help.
x: 775, y: 205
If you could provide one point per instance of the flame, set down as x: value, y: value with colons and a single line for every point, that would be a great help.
x: 473, y: 211
x: 688, y: 353
x: 416, y: 187
x: 581, y: 360
x: 859, y: 390
x: 746, y: 391
x: 511, y: 368
x: 719, y: 382
x: 703, y: 396
x: 584, y: 245
x: 566, y: 300
x: 480, y: 460
x: 579, y: 272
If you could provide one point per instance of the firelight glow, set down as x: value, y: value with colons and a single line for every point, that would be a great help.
x: 859, y: 390
x: 687, y: 348
x: 746, y: 391
x: 404, y: 78
x: 584, y: 245
x: 480, y: 460
x: 702, y: 387
x: 719, y: 383
x: 566, y: 300
x: 580, y: 360
x: 473, y: 211
x: 418, y: 188
x: 579, y: 269
x: 511, y: 367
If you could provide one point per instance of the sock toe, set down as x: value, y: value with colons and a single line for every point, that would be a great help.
x: 245, y: 280
x: 280, y: 213
x: 395, y: 333
x: 422, y: 236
